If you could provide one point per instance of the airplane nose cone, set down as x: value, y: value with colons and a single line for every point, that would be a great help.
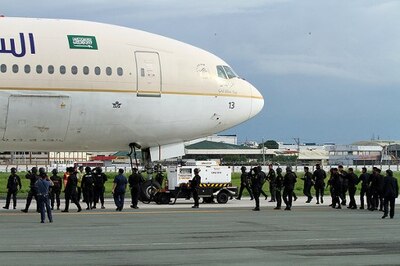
x: 257, y: 102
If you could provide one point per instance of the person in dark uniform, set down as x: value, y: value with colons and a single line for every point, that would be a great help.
x: 390, y: 193
x: 308, y: 182
x: 278, y: 188
x: 319, y: 176
x: 263, y: 179
x: 352, y: 180
x: 345, y: 184
x: 33, y: 177
x: 55, y: 190
x: 88, y: 187
x: 371, y: 189
x: 271, y: 177
x: 379, y: 198
x: 256, y: 185
x: 118, y: 189
x: 194, y: 186
x: 375, y: 183
x: 70, y: 190
x: 364, y: 177
x: 99, y: 179
x: 12, y: 188
x: 289, y: 181
x: 330, y: 185
x: 43, y: 185
x: 336, y: 184
x: 135, y: 182
x: 244, y: 183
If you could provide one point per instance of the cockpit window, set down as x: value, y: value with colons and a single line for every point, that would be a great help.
x: 226, y: 72
x: 230, y: 72
x: 221, y: 72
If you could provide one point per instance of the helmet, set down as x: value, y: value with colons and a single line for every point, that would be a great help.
x: 279, y: 170
x: 87, y: 169
x: 34, y: 170
x: 13, y: 170
x: 42, y: 170
x: 243, y: 168
x: 196, y: 170
x: 54, y: 171
x: 288, y: 168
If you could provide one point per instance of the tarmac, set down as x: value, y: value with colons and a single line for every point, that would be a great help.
x: 214, y: 234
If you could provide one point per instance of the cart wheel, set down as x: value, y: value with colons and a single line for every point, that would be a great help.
x: 222, y: 197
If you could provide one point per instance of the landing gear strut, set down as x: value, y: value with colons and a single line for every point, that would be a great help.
x: 133, y: 147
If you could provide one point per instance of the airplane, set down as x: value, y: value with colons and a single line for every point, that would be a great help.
x: 71, y: 85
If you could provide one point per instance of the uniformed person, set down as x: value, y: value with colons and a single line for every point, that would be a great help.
x: 371, y: 189
x: 271, y: 177
x: 88, y: 187
x: 256, y: 185
x: 289, y: 180
x: 390, y: 193
x: 135, y: 182
x: 345, y: 183
x: 244, y: 183
x: 263, y: 179
x: 70, y: 190
x: 13, y: 185
x: 380, y: 190
x: 79, y: 175
x: 43, y: 185
x: 55, y: 190
x: 375, y: 184
x: 33, y: 177
x: 364, y: 177
x: 319, y: 176
x: 278, y: 188
x: 336, y: 184
x: 99, y: 180
x: 352, y: 180
x: 194, y: 186
x: 118, y: 189
x: 308, y: 182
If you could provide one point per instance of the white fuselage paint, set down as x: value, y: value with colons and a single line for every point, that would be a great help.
x: 169, y: 92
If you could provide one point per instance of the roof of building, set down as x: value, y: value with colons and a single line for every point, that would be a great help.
x: 210, y: 145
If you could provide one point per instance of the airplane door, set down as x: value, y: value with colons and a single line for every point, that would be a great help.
x: 148, y: 74
x: 37, y: 118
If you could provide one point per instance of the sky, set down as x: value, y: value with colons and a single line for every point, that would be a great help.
x: 329, y: 71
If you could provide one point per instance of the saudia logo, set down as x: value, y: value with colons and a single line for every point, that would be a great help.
x: 82, y: 42
x: 18, y: 48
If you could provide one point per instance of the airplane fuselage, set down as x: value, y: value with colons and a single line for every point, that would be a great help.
x: 82, y: 86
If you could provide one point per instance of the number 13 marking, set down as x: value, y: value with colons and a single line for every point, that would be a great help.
x: 231, y: 105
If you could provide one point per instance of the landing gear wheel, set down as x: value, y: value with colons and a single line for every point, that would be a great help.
x: 149, y: 191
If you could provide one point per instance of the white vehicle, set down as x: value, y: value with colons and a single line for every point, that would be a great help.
x: 70, y: 85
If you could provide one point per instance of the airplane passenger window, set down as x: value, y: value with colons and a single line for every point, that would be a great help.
x: 108, y: 71
x: 15, y: 68
x: 230, y: 72
x: 86, y: 70
x: 97, y: 70
x: 50, y: 69
x: 221, y: 72
x: 27, y: 69
x: 120, y: 71
x: 62, y: 70
x: 74, y: 70
x: 3, y: 68
x: 39, y: 69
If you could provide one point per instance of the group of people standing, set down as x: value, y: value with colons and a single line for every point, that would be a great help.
x: 380, y: 191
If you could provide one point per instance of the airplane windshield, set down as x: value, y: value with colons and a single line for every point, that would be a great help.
x: 226, y: 72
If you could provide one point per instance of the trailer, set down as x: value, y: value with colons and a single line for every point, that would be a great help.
x: 216, y: 184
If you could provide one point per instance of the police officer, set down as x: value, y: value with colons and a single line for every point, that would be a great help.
x: 118, y: 189
x: 263, y: 178
x: 352, y: 180
x: 256, y: 186
x: 336, y: 184
x: 390, y: 193
x: 135, y: 182
x: 244, y: 183
x: 99, y: 179
x: 88, y: 187
x: 55, y: 190
x: 12, y: 188
x: 33, y: 177
x: 289, y: 181
x: 308, y: 182
x: 319, y: 176
x: 375, y: 188
x: 345, y: 183
x: 194, y: 186
x: 371, y: 189
x: 70, y: 190
x: 364, y: 177
x: 278, y: 188
x: 380, y: 190
x: 271, y: 177
x: 43, y: 185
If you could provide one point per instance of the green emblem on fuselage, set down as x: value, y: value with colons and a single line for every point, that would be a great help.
x: 82, y: 42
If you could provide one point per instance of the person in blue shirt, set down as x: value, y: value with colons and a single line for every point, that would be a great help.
x: 118, y: 190
x: 43, y: 185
